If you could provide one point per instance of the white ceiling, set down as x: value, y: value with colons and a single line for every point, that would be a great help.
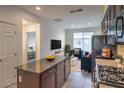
x: 91, y: 14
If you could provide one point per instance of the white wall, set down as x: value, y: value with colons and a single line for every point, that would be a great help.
x: 69, y: 33
x: 48, y: 33
x: 48, y: 30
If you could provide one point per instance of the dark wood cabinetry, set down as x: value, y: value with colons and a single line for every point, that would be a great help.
x: 60, y: 74
x: 117, y: 10
x: 43, y: 74
x: 111, y: 13
x: 48, y: 78
x: 27, y: 79
x: 67, y: 68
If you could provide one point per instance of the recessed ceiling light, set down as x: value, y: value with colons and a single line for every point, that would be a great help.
x: 37, y: 8
x: 89, y: 23
x: 72, y: 25
x: 24, y: 22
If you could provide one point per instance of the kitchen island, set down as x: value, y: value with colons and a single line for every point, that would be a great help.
x: 43, y: 73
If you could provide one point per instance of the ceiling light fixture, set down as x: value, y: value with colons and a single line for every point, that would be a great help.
x: 24, y: 22
x: 72, y: 25
x: 37, y: 8
x: 89, y: 23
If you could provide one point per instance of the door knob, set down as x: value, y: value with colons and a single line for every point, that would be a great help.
x: 0, y: 60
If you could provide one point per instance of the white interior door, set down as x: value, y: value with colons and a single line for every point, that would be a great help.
x: 8, y: 50
x: 8, y: 56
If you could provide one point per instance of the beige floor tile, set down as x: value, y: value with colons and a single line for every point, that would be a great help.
x: 78, y: 78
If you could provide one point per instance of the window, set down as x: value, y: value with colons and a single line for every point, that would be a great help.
x: 82, y: 40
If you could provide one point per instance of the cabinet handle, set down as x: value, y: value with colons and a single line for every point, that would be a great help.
x: 52, y: 71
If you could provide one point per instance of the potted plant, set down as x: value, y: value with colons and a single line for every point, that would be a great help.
x: 67, y: 50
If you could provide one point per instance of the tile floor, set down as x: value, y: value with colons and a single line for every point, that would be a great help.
x: 76, y: 79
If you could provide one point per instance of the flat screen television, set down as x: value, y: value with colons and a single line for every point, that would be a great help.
x: 55, y: 44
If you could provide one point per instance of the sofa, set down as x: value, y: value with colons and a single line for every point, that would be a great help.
x: 86, y: 63
x: 77, y: 52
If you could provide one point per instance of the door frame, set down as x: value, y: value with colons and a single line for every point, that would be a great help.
x: 36, y: 26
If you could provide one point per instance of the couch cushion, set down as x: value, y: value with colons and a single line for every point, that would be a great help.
x: 76, y: 51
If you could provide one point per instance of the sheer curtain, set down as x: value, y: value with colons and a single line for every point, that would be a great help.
x: 82, y: 40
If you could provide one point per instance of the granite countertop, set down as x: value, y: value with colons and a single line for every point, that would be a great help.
x: 40, y: 65
x: 100, y: 57
x: 109, y: 62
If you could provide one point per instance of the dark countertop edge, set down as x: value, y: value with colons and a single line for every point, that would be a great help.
x: 18, y: 67
x: 104, y: 58
x: 111, y: 84
x: 30, y: 71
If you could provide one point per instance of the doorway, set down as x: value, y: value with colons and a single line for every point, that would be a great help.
x: 30, y: 40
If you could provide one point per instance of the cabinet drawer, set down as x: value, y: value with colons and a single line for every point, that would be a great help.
x: 48, y: 78
x: 67, y: 68
x: 48, y: 72
x: 60, y: 74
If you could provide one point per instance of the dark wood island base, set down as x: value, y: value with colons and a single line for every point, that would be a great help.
x: 43, y: 74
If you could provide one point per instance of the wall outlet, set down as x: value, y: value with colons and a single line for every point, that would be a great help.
x: 20, y: 78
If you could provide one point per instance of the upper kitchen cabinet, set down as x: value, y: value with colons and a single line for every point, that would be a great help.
x: 105, y: 22
x: 121, y: 9
x: 113, y: 13
x: 118, y: 10
x: 108, y: 23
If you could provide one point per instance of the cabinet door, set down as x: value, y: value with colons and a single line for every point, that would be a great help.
x: 67, y: 68
x: 48, y: 79
x: 113, y: 12
x: 103, y: 25
x: 0, y: 57
x: 121, y: 8
x: 1, y: 71
x: 0, y: 44
x: 60, y: 74
x: 117, y: 10
x: 0, y: 49
x: 106, y: 23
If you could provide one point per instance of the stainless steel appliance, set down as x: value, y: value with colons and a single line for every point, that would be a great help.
x: 119, y: 27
